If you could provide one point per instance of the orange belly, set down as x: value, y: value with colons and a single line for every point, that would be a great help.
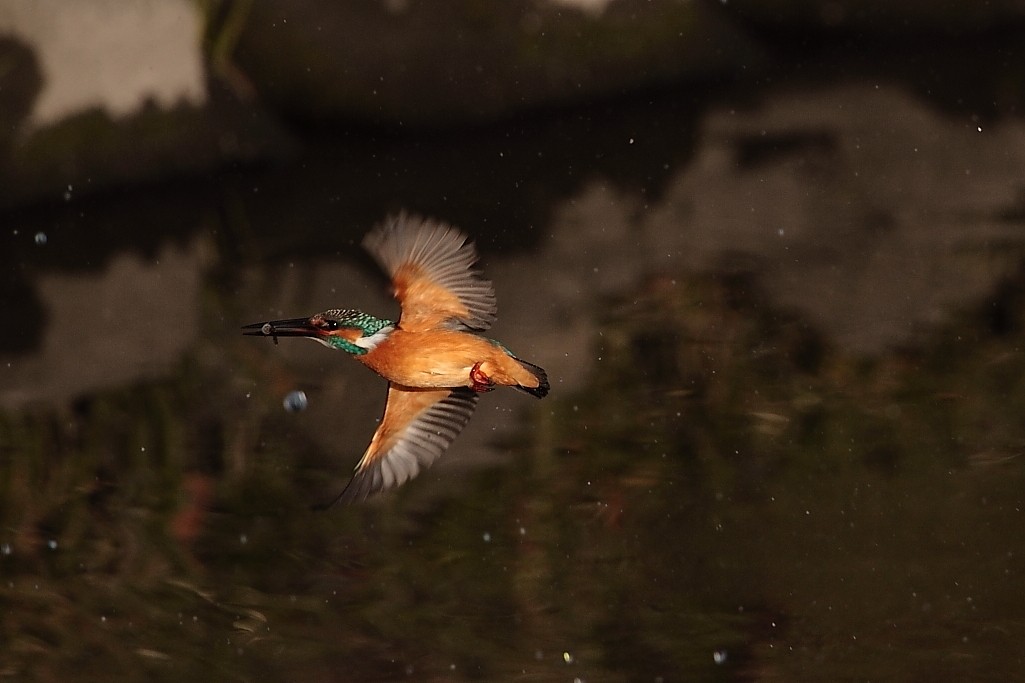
x: 436, y: 358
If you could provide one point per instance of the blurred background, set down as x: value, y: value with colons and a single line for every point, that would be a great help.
x: 771, y: 254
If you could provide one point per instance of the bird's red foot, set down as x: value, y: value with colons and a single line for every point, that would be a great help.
x: 481, y: 382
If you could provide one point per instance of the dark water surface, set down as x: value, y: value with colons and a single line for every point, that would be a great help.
x: 783, y: 441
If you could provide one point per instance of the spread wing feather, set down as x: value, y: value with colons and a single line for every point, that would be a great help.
x: 417, y: 427
x: 431, y: 266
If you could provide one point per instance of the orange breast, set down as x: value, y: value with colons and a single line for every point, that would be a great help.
x: 434, y: 358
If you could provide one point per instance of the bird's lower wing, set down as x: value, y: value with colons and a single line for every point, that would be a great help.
x: 417, y: 427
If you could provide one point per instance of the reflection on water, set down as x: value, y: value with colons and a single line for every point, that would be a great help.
x: 783, y: 441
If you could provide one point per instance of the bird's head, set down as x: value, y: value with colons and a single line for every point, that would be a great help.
x: 339, y: 328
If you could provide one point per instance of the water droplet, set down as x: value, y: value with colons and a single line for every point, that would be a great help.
x: 40, y: 239
x: 295, y: 401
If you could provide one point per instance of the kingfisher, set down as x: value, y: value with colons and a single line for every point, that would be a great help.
x: 435, y: 357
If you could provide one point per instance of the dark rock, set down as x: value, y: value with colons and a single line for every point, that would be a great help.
x: 449, y: 61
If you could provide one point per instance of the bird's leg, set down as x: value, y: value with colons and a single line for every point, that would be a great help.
x: 481, y: 382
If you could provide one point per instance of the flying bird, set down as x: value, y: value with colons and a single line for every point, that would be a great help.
x: 435, y: 358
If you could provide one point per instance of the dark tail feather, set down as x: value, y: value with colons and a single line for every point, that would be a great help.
x: 541, y: 390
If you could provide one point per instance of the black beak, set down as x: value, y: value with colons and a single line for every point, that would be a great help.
x: 296, y: 327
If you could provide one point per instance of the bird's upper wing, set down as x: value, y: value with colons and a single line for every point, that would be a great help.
x: 432, y: 274
x: 418, y: 425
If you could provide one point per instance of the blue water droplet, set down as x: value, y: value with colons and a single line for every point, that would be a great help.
x: 295, y: 401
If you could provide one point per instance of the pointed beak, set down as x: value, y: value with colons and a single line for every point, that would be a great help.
x: 296, y: 327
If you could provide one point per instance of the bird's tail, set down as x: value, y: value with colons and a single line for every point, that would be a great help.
x: 539, y: 374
